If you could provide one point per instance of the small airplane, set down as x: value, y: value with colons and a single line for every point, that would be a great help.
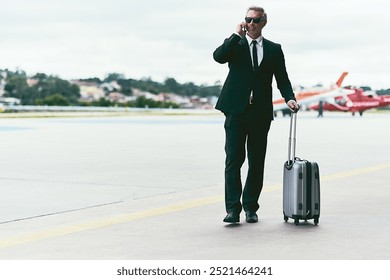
x: 307, y: 97
x: 357, y: 102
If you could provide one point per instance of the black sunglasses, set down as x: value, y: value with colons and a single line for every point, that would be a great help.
x: 255, y: 20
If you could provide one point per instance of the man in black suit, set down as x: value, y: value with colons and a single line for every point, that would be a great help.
x: 246, y: 101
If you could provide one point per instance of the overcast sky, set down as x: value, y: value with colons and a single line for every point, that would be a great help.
x: 176, y: 38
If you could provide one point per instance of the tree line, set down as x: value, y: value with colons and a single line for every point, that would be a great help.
x: 52, y: 90
x: 47, y: 90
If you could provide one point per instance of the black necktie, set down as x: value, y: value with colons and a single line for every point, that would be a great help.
x: 254, y: 53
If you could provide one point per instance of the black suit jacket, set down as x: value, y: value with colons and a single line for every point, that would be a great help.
x: 242, y: 80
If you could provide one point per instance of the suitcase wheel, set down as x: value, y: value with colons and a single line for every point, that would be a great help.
x: 316, y: 221
x: 296, y: 221
x: 285, y: 218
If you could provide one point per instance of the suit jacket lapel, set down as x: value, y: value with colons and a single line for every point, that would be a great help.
x: 245, y: 50
x: 266, y: 52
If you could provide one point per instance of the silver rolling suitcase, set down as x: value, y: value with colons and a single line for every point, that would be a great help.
x: 301, y: 184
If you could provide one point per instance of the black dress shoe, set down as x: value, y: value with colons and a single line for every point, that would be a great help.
x: 232, y: 218
x: 251, y: 217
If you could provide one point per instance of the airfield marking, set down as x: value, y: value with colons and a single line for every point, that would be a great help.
x: 104, y: 222
x: 355, y: 172
x: 125, y: 218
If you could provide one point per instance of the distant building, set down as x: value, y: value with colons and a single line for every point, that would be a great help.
x: 146, y: 94
x: 32, y: 82
x: 183, y: 101
x: 1, y: 88
x: 111, y: 86
x: 117, y: 97
x: 10, y: 100
x: 3, y: 76
x: 90, y: 91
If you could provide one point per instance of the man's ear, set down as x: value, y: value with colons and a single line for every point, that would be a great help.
x: 265, y: 19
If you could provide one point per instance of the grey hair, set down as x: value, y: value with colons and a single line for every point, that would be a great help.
x: 258, y: 9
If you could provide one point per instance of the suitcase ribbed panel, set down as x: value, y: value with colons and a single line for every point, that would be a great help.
x: 301, y: 190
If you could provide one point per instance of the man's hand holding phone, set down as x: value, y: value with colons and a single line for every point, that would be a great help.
x: 241, y: 29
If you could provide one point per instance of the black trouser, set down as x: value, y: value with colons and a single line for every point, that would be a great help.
x: 251, y: 129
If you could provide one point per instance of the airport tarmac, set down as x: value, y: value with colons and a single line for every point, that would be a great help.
x: 150, y: 187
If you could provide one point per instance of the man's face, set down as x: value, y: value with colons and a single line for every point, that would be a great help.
x: 254, y: 29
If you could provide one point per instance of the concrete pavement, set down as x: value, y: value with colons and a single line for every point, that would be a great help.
x: 151, y: 187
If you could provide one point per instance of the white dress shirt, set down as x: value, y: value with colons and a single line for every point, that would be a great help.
x: 259, y: 48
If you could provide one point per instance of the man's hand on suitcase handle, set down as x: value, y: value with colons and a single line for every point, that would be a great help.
x: 293, y: 105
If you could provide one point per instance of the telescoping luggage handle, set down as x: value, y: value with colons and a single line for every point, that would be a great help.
x: 292, y: 139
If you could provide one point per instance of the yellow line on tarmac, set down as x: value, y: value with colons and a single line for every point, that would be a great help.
x: 355, y: 172
x: 105, y: 222
x: 125, y: 218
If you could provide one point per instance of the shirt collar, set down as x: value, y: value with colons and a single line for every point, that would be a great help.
x: 259, y: 40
